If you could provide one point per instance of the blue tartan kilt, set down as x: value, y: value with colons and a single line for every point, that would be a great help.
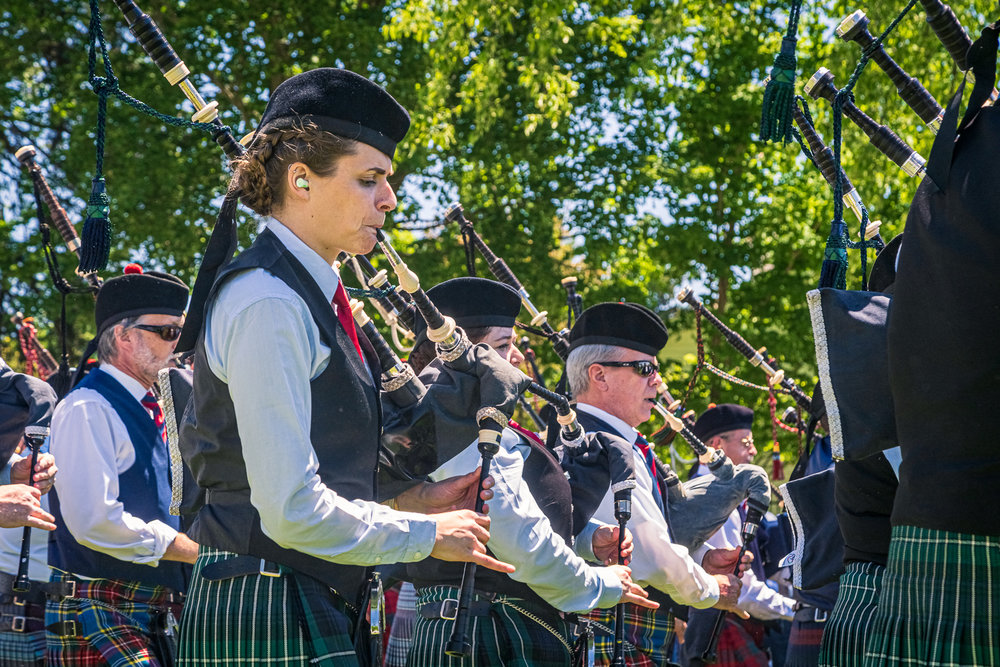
x: 260, y: 620
x: 940, y: 601
x: 849, y: 625
x: 516, y: 633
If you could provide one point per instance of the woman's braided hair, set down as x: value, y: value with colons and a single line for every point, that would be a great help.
x: 259, y: 174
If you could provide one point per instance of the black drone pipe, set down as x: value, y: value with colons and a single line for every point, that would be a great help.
x: 755, y: 357
x: 880, y: 136
x: 503, y: 273
x: 176, y: 73
x: 854, y: 28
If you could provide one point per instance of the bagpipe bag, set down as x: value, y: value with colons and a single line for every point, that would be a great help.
x: 943, y: 324
x: 849, y: 328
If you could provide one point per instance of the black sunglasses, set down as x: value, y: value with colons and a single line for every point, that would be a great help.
x: 168, y: 332
x: 643, y: 368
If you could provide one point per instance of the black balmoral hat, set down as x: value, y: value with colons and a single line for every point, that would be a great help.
x: 722, y: 418
x: 138, y: 293
x: 626, y: 325
x: 472, y: 302
x: 341, y: 102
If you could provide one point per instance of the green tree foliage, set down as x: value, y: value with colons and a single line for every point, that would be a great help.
x: 614, y: 140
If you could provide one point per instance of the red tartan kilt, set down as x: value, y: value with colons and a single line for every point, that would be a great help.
x: 741, y: 643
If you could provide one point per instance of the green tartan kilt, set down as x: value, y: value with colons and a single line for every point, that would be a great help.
x: 849, y: 626
x: 254, y: 620
x: 507, y: 637
x: 940, y: 601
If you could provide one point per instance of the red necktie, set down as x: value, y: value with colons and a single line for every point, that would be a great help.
x: 346, y: 318
x: 530, y: 435
x: 150, y: 403
x: 647, y: 454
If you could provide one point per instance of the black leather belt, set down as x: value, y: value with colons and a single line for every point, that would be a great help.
x: 37, y: 591
x: 241, y: 566
x: 812, y: 614
x: 14, y: 623
x: 68, y: 628
x: 448, y: 609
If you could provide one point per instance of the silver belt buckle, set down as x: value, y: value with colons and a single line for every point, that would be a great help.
x: 447, y: 615
x: 18, y: 623
x: 264, y: 572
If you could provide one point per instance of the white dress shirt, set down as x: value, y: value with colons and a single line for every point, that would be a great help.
x: 520, y: 533
x: 756, y: 597
x: 656, y: 561
x: 92, y: 447
x: 262, y: 341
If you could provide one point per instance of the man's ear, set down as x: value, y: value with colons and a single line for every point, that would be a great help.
x: 597, y: 376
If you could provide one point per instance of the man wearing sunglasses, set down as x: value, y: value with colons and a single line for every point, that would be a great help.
x: 612, y: 372
x: 117, y: 555
x: 742, y: 642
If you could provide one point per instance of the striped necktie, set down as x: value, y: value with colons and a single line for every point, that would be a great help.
x: 153, y: 407
x: 647, y: 454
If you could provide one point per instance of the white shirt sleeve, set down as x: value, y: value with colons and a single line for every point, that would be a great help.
x: 656, y: 561
x: 92, y: 446
x: 247, y: 332
x: 756, y: 598
x: 583, y: 544
x: 520, y: 533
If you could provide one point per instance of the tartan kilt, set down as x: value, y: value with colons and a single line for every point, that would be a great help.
x: 849, y: 625
x: 940, y: 600
x: 510, y: 636
x: 740, y: 644
x: 648, y: 636
x: 23, y: 649
x: 401, y: 632
x: 804, y: 640
x: 115, y: 619
x: 259, y: 620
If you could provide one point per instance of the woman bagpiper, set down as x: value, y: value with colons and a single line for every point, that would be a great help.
x: 283, y: 429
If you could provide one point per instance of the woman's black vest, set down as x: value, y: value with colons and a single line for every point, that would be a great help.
x: 346, y: 422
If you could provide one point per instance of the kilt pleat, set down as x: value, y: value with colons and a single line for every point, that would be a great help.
x: 252, y: 620
x: 504, y: 638
x: 939, y: 601
x: 849, y: 626
x: 648, y: 636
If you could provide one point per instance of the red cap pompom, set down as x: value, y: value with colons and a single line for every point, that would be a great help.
x: 132, y: 268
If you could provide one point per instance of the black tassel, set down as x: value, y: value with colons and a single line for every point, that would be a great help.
x: 95, y: 245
